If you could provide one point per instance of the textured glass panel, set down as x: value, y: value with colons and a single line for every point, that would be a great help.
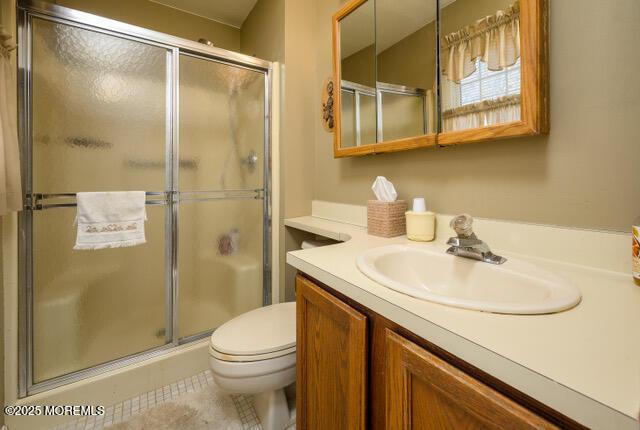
x: 220, y: 262
x: 221, y: 126
x: 99, y: 120
x: 90, y: 307
x: 402, y: 116
x: 367, y: 119
x: 348, y: 120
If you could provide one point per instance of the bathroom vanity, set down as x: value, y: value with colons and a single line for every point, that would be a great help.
x: 373, y: 357
x: 376, y: 374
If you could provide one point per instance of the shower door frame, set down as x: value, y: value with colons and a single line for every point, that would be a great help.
x: 175, y: 47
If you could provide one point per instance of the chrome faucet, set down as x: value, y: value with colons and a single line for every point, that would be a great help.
x: 467, y: 244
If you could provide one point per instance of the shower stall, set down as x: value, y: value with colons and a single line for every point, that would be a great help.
x: 106, y: 106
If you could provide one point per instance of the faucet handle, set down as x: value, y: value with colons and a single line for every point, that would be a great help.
x: 462, y: 225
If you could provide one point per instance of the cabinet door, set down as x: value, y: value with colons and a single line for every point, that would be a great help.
x: 331, y: 354
x: 424, y: 392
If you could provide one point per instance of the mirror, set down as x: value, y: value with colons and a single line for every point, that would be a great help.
x: 358, y: 77
x: 490, y: 82
x: 480, y: 63
x: 383, y: 96
x: 406, y: 41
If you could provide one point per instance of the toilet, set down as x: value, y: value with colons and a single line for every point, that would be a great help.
x: 255, y: 353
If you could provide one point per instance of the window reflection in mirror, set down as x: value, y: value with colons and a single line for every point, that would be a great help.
x: 358, y: 76
x: 406, y: 67
x: 480, y: 63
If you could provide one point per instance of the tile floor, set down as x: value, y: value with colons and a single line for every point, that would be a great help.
x: 248, y: 416
x: 123, y: 411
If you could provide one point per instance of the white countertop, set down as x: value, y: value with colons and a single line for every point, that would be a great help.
x: 584, y: 363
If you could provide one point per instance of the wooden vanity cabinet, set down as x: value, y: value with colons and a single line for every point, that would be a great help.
x: 332, y: 342
x: 357, y: 370
x: 425, y: 392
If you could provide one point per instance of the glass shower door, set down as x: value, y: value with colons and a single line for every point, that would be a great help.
x: 106, y: 106
x: 99, y: 123
x: 221, y: 193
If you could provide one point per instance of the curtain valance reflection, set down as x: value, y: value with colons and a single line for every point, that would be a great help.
x: 495, y: 39
x: 10, y: 187
x: 487, y: 112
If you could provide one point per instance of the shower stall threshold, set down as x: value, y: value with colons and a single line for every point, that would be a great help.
x: 116, y: 385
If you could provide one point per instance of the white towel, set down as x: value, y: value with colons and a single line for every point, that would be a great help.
x: 110, y: 219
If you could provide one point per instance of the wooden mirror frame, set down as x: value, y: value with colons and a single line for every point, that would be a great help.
x: 534, y: 47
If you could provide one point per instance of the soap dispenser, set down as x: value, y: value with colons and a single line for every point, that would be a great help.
x: 421, y: 224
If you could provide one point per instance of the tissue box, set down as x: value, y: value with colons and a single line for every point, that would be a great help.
x: 386, y: 219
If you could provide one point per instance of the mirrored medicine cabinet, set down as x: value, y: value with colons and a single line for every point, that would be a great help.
x: 420, y: 73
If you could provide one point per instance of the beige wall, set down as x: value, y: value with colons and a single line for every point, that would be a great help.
x: 583, y: 174
x: 262, y: 33
x: 360, y: 67
x: 420, y: 72
x: 391, y: 66
x: 461, y: 13
x: 161, y: 18
x: 299, y: 97
x: 301, y: 94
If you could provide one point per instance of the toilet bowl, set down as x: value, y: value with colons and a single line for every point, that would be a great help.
x: 255, y: 353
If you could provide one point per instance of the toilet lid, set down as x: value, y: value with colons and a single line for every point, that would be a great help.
x: 260, y: 331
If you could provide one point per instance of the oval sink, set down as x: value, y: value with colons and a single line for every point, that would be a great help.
x: 515, y: 287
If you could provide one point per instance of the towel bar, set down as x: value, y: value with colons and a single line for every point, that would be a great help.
x: 33, y: 201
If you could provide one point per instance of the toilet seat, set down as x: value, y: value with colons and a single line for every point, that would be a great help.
x: 249, y: 358
x: 239, y: 370
x: 261, y: 334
